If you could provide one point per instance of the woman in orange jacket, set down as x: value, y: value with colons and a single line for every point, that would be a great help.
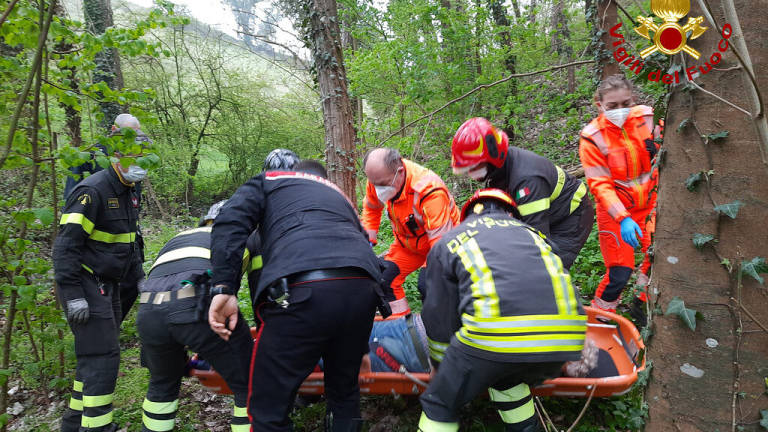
x: 617, y: 150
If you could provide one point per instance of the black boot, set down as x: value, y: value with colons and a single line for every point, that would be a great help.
x: 333, y: 424
x: 637, y: 312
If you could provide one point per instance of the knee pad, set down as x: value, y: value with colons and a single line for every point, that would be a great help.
x: 618, y: 277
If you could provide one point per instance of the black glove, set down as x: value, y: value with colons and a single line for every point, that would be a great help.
x: 77, y: 311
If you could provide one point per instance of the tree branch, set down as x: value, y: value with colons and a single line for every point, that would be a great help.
x: 483, y: 87
x: 8, y: 12
x: 271, y: 42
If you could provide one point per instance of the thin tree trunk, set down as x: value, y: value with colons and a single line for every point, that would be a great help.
x: 607, y: 17
x: 338, y: 119
x: 500, y: 18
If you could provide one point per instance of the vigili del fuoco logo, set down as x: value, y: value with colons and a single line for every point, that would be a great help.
x: 669, y: 38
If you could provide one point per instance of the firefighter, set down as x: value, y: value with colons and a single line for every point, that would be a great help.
x: 420, y: 209
x: 493, y: 323
x: 96, y: 248
x: 617, y: 150
x: 172, y: 319
x: 548, y: 198
x: 317, y: 293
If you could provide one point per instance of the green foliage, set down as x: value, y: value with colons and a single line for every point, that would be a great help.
x: 699, y: 240
x: 754, y: 267
x: 693, y: 180
x: 731, y: 209
x: 717, y: 136
x: 764, y: 419
x: 677, y: 307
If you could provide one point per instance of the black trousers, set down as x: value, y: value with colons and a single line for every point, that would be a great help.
x: 166, y: 331
x: 98, y: 358
x: 461, y: 377
x: 571, y: 233
x: 331, y: 319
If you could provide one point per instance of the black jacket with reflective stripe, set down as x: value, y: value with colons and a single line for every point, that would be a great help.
x: 187, y: 251
x: 98, y: 233
x: 305, y: 223
x: 495, y: 289
x: 528, y: 178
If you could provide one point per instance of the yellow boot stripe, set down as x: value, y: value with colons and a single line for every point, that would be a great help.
x: 518, y: 414
x: 514, y: 394
x: 77, y: 386
x: 94, y: 422
x: 97, y: 401
x: 240, y: 411
x: 75, y: 404
x: 428, y: 425
x: 241, y: 428
x: 160, y: 407
x: 157, y: 425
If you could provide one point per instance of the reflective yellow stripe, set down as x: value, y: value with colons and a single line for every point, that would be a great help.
x: 181, y: 253
x: 157, y: 425
x: 486, y: 303
x: 77, y: 386
x: 106, y: 237
x: 241, y: 428
x: 95, y: 422
x: 536, y: 323
x: 240, y: 411
x: 77, y: 219
x: 523, y: 344
x: 246, y: 261
x: 576, y: 200
x: 256, y: 264
x: 559, y: 185
x: 89, y: 270
x: 437, y: 349
x: 75, y: 404
x: 428, y: 425
x: 561, y: 281
x: 97, y: 401
x: 519, y: 414
x: 533, y: 207
x: 160, y: 407
x: 513, y: 394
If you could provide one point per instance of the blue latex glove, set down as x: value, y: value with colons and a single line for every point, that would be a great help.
x: 628, y: 230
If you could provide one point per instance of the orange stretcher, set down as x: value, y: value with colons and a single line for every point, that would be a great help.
x: 621, y: 357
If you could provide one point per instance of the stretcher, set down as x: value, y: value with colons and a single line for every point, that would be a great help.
x: 621, y: 358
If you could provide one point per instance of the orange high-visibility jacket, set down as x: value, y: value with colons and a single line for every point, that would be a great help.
x: 618, y: 162
x: 422, y: 212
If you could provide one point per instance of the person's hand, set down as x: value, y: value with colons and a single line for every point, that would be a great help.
x: 365, y: 364
x: 77, y: 311
x: 630, y: 231
x: 223, y: 311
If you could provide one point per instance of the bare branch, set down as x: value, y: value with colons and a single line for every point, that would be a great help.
x: 8, y: 12
x: 271, y: 42
x: 483, y: 87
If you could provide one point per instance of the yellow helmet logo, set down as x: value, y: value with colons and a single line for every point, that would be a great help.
x: 476, y: 151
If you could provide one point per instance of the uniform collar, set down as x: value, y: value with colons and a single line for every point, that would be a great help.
x: 401, y: 194
x: 114, y: 180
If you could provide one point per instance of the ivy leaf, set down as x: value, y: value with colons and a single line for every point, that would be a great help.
x: 764, y: 420
x: 44, y: 214
x: 693, y: 180
x: 754, y: 267
x: 717, y: 136
x: 699, y: 240
x: 730, y: 209
x: 683, y: 124
x: 688, y: 316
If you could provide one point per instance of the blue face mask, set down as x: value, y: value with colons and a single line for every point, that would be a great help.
x: 134, y: 174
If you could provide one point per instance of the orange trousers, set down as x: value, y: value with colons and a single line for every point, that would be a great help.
x: 619, y: 257
x: 408, y: 261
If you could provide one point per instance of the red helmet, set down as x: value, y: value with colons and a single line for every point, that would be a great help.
x: 498, y: 195
x: 477, y: 141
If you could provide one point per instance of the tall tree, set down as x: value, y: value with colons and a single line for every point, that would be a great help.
x: 713, y: 378
x: 501, y: 19
x: 338, y: 116
x: 560, y: 40
x: 606, y: 17
x: 98, y: 18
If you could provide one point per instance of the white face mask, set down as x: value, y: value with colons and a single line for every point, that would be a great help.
x: 478, y: 173
x: 386, y: 193
x: 134, y: 174
x: 617, y: 116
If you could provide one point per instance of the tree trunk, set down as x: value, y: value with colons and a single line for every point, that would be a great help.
x: 607, y: 17
x: 98, y: 17
x: 560, y: 37
x: 516, y: 8
x: 500, y: 18
x: 338, y: 119
x: 736, y: 364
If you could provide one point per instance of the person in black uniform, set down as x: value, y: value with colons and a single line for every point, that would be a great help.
x: 547, y: 197
x: 323, y: 278
x: 172, y: 319
x: 495, y: 324
x: 97, y: 248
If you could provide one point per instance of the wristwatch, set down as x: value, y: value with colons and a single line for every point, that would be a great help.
x: 222, y: 289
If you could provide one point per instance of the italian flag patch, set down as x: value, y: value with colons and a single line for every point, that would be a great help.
x: 523, y: 192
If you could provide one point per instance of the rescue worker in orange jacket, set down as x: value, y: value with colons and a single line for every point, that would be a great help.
x: 617, y: 150
x: 420, y: 208
x: 548, y: 198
